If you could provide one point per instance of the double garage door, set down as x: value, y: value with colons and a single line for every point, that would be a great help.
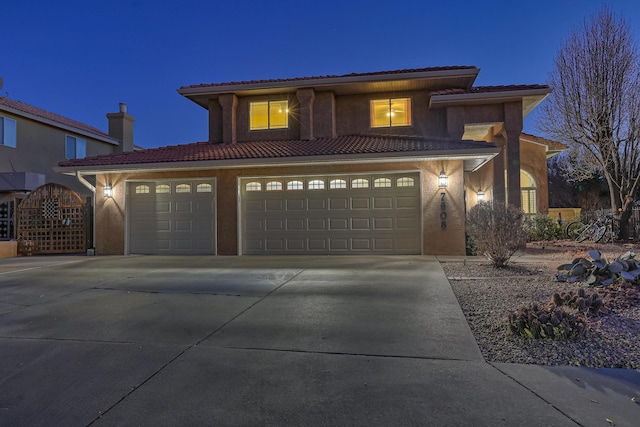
x: 172, y: 217
x: 351, y: 214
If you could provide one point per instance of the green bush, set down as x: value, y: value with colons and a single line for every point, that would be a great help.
x: 542, y: 227
x: 497, y: 230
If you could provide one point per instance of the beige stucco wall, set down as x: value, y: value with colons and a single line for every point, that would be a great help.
x: 532, y: 160
x: 110, y: 212
x: 41, y: 147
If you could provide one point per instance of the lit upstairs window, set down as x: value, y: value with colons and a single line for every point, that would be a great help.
x: 393, y: 112
x: 269, y: 115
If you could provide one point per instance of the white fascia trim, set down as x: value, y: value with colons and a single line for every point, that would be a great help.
x: 59, y: 125
x: 327, y: 81
x: 494, y: 97
x: 486, y: 153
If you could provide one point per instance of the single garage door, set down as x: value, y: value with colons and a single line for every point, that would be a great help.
x: 351, y: 214
x: 172, y: 217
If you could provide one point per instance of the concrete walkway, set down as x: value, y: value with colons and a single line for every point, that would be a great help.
x: 268, y: 341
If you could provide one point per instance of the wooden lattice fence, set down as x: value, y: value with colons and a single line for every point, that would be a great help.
x: 52, y: 219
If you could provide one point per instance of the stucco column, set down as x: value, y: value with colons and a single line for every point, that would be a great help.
x: 215, y: 121
x: 306, y: 98
x: 455, y: 122
x: 512, y: 131
x: 324, y: 115
x: 228, y: 102
x: 499, y: 165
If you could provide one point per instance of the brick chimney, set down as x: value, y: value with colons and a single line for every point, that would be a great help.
x: 121, y: 128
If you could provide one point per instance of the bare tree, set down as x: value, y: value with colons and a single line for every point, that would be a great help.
x: 595, y: 104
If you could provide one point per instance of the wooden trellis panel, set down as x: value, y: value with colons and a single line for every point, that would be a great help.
x: 54, y: 219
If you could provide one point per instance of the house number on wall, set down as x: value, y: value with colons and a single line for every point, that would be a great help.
x: 443, y: 212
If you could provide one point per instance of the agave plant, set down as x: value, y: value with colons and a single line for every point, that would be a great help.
x: 599, y: 271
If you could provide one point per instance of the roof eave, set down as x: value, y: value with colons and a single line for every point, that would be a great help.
x: 326, y: 83
x: 483, y: 154
x: 535, y: 97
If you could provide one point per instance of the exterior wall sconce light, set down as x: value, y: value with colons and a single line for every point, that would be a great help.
x: 443, y: 179
x: 480, y: 195
x: 108, y: 190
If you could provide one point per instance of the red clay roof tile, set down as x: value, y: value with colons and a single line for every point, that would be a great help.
x: 342, y: 145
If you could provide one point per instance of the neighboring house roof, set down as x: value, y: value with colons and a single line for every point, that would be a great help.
x: 553, y: 147
x: 34, y: 113
x: 353, y: 146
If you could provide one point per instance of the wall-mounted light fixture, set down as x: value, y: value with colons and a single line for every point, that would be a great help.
x: 443, y: 179
x: 108, y: 190
x: 480, y: 195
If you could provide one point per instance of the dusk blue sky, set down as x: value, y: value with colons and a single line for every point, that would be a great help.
x: 80, y: 59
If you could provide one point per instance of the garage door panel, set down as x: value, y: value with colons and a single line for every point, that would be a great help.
x: 171, y: 222
x: 383, y: 219
x: 383, y: 202
x: 317, y: 204
x: 383, y: 223
x: 341, y: 203
x: 296, y: 204
x: 360, y: 203
x: 407, y: 202
x: 317, y: 244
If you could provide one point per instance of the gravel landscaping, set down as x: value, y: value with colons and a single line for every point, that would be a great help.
x: 488, y: 295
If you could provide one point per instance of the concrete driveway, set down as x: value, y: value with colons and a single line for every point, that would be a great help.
x: 246, y: 341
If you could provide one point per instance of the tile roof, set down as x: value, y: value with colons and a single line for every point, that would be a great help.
x: 46, y: 115
x: 341, y: 145
x: 551, y: 145
x: 374, y: 73
x: 488, y: 89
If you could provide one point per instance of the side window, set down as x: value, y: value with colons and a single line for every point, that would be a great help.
x: 76, y: 148
x: 8, y: 132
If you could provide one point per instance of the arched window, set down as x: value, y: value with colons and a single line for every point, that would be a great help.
x: 295, y: 185
x: 335, y: 184
x: 382, y: 183
x: 203, y: 188
x: 528, y: 193
x: 274, y: 186
x: 360, y: 183
x: 316, y: 184
x: 162, y: 188
x: 405, y: 181
x: 183, y: 188
x: 253, y: 186
x: 142, y: 189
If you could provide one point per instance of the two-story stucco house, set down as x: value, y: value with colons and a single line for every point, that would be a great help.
x: 370, y: 163
x: 33, y: 141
